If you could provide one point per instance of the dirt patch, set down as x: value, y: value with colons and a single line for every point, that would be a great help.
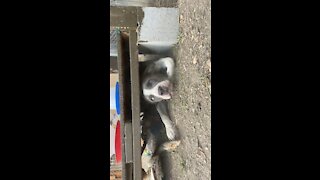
x: 191, y: 105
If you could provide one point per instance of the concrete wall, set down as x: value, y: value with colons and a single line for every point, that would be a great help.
x: 138, y: 3
x: 144, y: 3
x: 158, y: 32
x: 159, y: 29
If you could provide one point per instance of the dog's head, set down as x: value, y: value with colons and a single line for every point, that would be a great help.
x: 157, y: 88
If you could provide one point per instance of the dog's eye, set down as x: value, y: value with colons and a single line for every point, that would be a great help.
x: 151, y: 98
x: 151, y: 82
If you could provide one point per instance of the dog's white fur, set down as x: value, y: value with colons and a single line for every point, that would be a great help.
x: 169, y: 64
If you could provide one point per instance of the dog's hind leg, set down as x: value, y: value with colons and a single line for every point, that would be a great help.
x: 169, y: 125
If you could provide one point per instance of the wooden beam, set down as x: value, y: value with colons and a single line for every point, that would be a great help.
x: 128, y: 141
x: 123, y: 17
x: 135, y: 99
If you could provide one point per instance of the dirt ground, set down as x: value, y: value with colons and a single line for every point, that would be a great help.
x: 191, y: 105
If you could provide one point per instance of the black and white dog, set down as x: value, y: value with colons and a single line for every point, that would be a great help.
x: 158, y: 130
x: 157, y: 89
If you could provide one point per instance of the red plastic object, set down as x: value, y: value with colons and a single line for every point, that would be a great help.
x: 118, y: 143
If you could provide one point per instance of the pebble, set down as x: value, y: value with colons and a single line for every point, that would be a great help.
x: 194, y: 60
x: 209, y: 65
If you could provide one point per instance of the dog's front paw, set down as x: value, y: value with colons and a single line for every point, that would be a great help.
x: 171, y: 133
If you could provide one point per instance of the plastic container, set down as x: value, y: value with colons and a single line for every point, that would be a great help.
x: 115, y: 98
x: 118, y: 143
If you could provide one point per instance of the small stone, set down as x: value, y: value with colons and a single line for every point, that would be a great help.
x: 209, y: 65
x: 194, y: 60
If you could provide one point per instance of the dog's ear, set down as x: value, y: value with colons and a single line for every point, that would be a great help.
x: 159, y: 66
x: 163, y: 70
x: 150, y: 69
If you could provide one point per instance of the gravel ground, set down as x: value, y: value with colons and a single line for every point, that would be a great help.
x: 191, y: 105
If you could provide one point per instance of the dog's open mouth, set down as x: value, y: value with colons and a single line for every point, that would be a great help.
x: 165, y: 89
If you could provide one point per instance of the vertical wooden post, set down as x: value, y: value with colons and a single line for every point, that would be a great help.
x: 135, y: 97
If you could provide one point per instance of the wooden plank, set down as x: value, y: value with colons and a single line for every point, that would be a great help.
x: 129, y: 175
x: 135, y: 99
x: 128, y: 142
x: 123, y: 17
